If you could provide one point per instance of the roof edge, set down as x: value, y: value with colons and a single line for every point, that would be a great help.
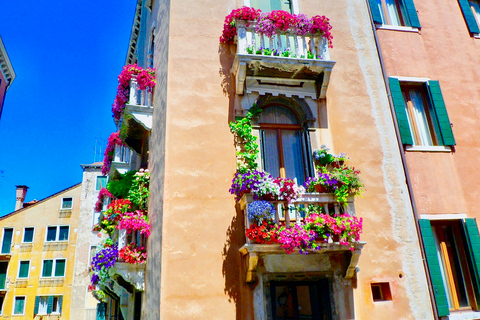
x: 7, y: 69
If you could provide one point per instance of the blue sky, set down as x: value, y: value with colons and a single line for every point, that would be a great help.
x: 67, y: 56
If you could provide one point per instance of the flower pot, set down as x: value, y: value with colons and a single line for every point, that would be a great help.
x: 269, y: 197
x: 338, y: 164
x: 320, y: 189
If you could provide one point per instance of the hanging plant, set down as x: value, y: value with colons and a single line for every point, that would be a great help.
x: 113, y: 140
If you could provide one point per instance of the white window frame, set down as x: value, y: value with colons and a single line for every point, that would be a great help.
x: 19, y: 264
x: 56, y: 305
x: 57, y: 233
x: 61, y: 204
x: 294, y: 3
x: 23, y: 236
x: 14, y: 305
x: 54, y: 267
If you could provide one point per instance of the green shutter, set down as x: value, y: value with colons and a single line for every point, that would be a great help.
x: 412, y: 13
x: 473, y: 242
x: 3, y: 274
x: 37, y: 303
x: 60, y: 268
x: 19, y: 305
x: 400, y: 111
x: 60, y: 302
x: 50, y: 305
x: 47, y: 268
x: 376, y: 16
x: 24, y: 266
x: 438, y: 104
x: 101, y: 310
x: 469, y: 17
x: 7, y: 240
x: 434, y: 267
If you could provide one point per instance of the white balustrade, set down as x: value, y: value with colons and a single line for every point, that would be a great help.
x: 309, y: 46
x: 139, y: 97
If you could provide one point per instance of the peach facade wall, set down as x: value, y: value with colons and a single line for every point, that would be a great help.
x: 40, y: 216
x: 194, y: 269
x: 443, y: 51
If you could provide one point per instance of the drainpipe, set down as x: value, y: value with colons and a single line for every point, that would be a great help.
x: 404, y: 163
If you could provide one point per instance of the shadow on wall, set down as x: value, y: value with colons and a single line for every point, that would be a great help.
x: 233, y: 271
x: 226, y: 57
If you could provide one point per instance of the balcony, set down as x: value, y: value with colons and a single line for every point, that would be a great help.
x: 121, y: 161
x: 303, y: 70
x: 137, y: 117
x: 253, y: 251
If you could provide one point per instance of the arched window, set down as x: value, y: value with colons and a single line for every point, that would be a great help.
x: 283, y: 143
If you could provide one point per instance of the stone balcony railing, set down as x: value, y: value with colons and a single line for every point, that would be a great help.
x: 289, y: 214
x: 305, y: 72
x: 121, y: 160
x: 137, y: 117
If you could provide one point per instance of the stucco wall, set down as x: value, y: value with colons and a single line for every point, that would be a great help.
x: 193, y: 250
x: 40, y: 216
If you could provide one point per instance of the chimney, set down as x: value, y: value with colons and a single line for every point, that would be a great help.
x: 21, y: 193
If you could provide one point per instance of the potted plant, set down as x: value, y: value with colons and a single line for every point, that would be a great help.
x: 348, y: 182
x: 259, y: 211
x: 322, y: 155
x: 264, y: 232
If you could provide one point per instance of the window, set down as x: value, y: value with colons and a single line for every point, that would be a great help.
x: 269, y: 5
x: 398, y: 13
x: 7, y: 240
x: 283, y: 143
x: 28, y: 234
x: 23, y: 269
x: 19, y: 306
x: 421, y: 113
x: 53, y: 268
x: 471, y: 13
x: 67, y: 203
x: 453, y: 255
x: 300, y: 300
x: 101, y: 182
x: 48, y: 305
x: 57, y: 233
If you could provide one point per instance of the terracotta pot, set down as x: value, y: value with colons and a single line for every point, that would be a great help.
x: 269, y: 197
x: 338, y: 164
x: 320, y: 189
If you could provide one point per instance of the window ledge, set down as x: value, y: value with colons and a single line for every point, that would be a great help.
x: 476, y: 35
x: 464, y: 315
x: 429, y: 148
x: 397, y: 28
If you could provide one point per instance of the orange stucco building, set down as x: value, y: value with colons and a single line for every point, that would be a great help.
x: 428, y: 52
x: 200, y: 264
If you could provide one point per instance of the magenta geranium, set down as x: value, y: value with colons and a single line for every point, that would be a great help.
x: 145, y: 80
x: 104, y: 193
x: 113, y: 140
x: 274, y: 22
x: 135, y: 221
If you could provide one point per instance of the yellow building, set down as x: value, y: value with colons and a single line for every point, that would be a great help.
x: 41, y: 252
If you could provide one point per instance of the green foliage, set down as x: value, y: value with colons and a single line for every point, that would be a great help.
x: 247, y: 148
x: 120, y: 187
x: 139, y: 192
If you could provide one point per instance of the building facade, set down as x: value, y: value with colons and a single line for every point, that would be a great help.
x: 38, y: 250
x: 7, y: 74
x: 433, y: 84
x: 200, y: 262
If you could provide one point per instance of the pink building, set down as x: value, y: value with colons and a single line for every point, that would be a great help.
x: 7, y: 74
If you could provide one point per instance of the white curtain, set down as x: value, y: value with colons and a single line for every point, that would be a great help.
x: 380, y: 9
x: 43, y: 305
x: 393, y: 13
x: 270, y: 146
x: 425, y: 137
x: 292, y: 155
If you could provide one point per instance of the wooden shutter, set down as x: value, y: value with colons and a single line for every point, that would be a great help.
x: 50, y: 305
x: 436, y: 99
x: 60, y: 302
x: 47, y: 268
x: 37, y: 303
x: 60, y: 268
x: 7, y: 240
x: 434, y: 268
x: 469, y: 17
x: 376, y: 16
x: 473, y: 244
x: 400, y: 111
x: 412, y: 13
x: 3, y: 274
x: 24, y: 266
